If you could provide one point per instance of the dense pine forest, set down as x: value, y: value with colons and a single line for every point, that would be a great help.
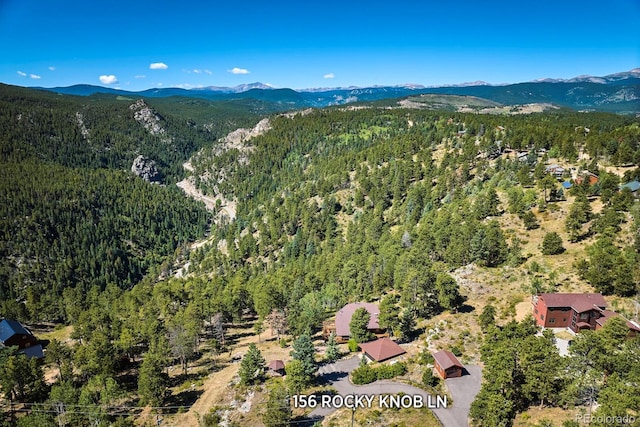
x: 334, y: 205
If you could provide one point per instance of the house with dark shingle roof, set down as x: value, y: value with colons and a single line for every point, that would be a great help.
x: 447, y: 364
x: 381, y: 349
x: 13, y: 334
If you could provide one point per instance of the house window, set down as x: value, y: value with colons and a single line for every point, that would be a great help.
x: 536, y: 310
x: 552, y: 320
x: 542, y: 317
x: 584, y: 316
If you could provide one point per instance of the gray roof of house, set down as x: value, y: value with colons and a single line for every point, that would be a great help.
x: 9, y: 328
x: 633, y: 185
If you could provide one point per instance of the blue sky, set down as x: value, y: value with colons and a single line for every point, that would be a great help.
x: 138, y: 44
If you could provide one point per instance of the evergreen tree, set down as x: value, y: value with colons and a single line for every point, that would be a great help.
x: 389, y: 311
x: 297, y: 377
x: 529, y: 220
x: 332, y: 352
x: 488, y: 317
x: 359, y: 326
x: 488, y: 245
x: 252, y: 366
x: 304, y: 351
x: 152, y: 381
x: 406, y: 325
x: 278, y: 411
x: 449, y: 296
x: 552, y: 244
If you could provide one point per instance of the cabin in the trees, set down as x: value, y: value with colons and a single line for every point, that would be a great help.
x: 13, y: 334
x: 275, y: 368
x: 343, y: 318
x: 633, y: 186
x: 447, y: 365
x: 380, y: 350
x: 591, y: 178
x: 555, y: 170
x: 575, y: 311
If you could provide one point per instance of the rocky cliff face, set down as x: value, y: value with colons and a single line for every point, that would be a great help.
x: 149, y: 119
x: 146, y: 169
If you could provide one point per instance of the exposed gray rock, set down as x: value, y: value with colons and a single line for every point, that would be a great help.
x: 146, y: 169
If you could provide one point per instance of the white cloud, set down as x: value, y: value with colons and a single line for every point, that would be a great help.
x: 109, y: 80
x: 197, y: 71
x: 140, y: 76
x: 34, y: 76
x: 158, y: 66
x: 52, y: 68
x: 329, y: 76
x: 207, y: 72
x: 188, y: 86
x: 22, y: 73
x: 237, y: 70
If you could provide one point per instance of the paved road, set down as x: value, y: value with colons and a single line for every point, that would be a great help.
x: 462, y: 390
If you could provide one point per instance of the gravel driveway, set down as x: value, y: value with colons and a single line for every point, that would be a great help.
x: 462, y: 390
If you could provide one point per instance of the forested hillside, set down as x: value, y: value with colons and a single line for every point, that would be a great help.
x: 334, y: 206
x: 73, y: 215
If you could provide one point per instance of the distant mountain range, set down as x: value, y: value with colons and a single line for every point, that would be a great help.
x: 618, y: 93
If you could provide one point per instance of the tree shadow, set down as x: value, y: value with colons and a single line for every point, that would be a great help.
x: 331, y: 377
x: 185, y: 398
x: 306, y: 421
x: 466, y: 308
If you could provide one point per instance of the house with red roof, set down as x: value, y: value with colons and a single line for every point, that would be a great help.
x: 343, y: 318
x: 634, y: 328
x: 575, y: 311
x: 447, y: 365
x: 561, y: 310
x: 381, y: 349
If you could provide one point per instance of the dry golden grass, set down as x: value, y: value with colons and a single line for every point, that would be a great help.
x: 376, y: 418
x: 534, y: 415
x: 61, y: 334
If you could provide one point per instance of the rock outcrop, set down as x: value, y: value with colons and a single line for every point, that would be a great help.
x: 146, y: 169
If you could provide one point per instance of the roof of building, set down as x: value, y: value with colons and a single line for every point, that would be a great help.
x: 9, y: 328
x: 34, y: 351
x: 276, y: 365
x: 447, y: 360
x: 579, y: 302
x: 608, y: 314
x: 343, y: 317
x: 382, y: 349
x: 633, y: 185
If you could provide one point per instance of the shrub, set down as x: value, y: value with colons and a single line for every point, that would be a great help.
x: 430, y: 380
x: 456, y: 351
x: 425, y: 357
x: 353, y: 345
x: 363, y: 375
